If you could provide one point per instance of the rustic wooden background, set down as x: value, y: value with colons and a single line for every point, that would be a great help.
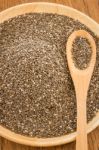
x: 89, y: 7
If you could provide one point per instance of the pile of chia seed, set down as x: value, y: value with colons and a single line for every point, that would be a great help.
x: 81, y: 52
x: 37, y: 96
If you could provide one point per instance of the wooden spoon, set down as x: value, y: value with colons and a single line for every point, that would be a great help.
x: 81, y: 80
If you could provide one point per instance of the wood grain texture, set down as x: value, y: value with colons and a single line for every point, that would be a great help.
x: 89, y: 7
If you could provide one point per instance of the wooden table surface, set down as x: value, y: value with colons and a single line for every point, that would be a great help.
x: 89, y: 7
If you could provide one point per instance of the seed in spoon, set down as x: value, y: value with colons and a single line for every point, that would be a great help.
x: 81, y: 52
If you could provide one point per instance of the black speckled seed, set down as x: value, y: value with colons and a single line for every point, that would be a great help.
x: 81, y: 52
x: 37, y: 96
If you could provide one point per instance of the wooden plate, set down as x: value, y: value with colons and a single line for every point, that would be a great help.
x: 58, y: 9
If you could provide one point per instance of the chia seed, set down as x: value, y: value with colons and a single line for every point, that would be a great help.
x: 37, y: 96
x: 81, y: 51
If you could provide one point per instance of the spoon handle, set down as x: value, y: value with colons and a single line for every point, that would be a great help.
x: 81, y: 95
